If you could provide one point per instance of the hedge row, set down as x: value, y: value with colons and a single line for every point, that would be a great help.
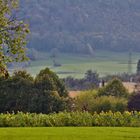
x: 126, y: 119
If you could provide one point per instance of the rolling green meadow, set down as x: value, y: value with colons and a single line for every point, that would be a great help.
x: 76, y: 65
x: 71, y: 133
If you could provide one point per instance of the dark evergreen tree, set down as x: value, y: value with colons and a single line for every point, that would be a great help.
x: 134, y: 102
x: 138, y: 68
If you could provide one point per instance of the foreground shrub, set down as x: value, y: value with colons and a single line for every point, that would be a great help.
x: 109, y: 103
x: 84, y: 101
x: 126, y: 119
x: 134, y: 102
x: 91, y: 102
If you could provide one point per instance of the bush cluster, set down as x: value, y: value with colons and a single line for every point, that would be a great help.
x: 126, y: 119
x: 112, y: 97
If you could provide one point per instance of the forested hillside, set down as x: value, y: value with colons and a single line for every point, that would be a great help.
x: 80, y: 25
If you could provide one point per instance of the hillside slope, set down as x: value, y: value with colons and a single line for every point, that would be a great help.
x: 80, y: 25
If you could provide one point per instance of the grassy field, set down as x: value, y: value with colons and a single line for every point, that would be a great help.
x: 76, y: 65
x: 69, y: 133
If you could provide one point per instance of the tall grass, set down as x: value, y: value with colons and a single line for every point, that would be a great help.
x: 126, y: 119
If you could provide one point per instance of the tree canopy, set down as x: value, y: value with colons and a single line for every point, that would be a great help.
x: 114, y: 88
x: 13, y: 35
x: 44, y: 94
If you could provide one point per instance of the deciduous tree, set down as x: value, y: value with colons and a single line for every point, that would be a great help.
x: 13, y: 35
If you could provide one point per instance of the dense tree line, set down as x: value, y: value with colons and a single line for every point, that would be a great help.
x: 44, y: 94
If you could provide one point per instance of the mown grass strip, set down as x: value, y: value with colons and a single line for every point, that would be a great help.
x: 70, y: 133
